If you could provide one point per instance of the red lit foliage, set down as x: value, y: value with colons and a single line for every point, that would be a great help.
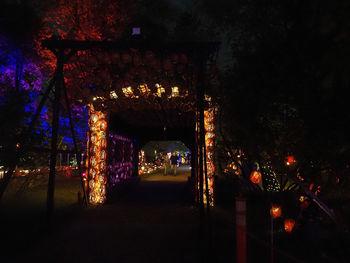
x: 81, y: 20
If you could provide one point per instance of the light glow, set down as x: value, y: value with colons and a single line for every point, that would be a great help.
x: 128, y: 92
x: 175, y: 91
x: 98, y: 157
x: 209, y: 147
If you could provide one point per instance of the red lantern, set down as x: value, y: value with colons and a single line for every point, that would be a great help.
x: 289, y: 224
x: 305, y: 204
x: 275, y: 211
x: 255, y: 177
x: 290, y: 160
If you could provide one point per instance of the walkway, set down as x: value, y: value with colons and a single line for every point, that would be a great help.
x: 153, y: 222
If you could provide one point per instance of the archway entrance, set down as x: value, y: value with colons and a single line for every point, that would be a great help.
x: 159, y: 81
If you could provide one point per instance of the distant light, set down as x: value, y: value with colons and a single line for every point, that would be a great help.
x: 136, y: 31
x: 113, y: 95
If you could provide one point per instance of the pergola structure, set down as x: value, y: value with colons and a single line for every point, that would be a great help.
x: 135, y: 89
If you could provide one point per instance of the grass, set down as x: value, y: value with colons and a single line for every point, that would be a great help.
x: 23, y: 213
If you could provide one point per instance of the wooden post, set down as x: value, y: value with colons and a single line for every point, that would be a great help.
x: 53, y: 155
x: 241, y: 236
x: 77, y: 154
x: 200, y: 173
x: 271, y: 242
x: 203, y: 155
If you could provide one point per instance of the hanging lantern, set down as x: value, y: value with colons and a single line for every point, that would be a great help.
x: 289, y: 224
x: 289, y: 160
x: 275, y: 211
x: 305, y: 204
x: 255, y: 177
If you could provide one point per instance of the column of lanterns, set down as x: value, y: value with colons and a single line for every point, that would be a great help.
x: 209, y: 148
x: 98, y: 157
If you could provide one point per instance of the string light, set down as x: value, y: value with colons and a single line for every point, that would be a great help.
x: 272, y: 184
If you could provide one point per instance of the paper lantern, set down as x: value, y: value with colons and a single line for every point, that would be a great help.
x: 289, y: 224
x: 305, y: 204
x: 255, y: 177
x: 275, y: 211
x: 289, y: 160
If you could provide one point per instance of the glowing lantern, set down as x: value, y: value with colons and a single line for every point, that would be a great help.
x: 98, y: 156
x: 210, y: 168
x: 255, y: 177
x: 289, y: 224
x: 93, y: 138
x: 290, y: 160
x: 174, y: 91
x: 210, y: 127
x: 103, y: 155
x: 128, y: 92
x: 237, y: 172
x: 143, y: 88
x: 102, y: 125
x: 305, y: 203
x: 209, y: 142
x: 275, y: 211
x: 113, y: 95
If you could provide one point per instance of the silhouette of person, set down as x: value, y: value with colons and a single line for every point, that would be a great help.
x: 173, y: 160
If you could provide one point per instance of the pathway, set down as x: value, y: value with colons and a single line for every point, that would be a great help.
x: 153, y: 222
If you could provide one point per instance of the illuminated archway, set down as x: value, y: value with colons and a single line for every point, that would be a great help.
x: 174, y: 76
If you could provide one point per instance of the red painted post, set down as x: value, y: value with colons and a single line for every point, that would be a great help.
x: 241, y: 237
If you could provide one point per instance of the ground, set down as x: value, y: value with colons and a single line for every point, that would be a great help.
x: 152, y: 220
x: 155, y: 221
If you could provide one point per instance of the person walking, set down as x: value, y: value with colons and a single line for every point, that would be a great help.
x: 173, y: 160
x: 166, y: 162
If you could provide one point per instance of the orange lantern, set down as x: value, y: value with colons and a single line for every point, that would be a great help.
x: 255, y: 177
x: 290, y: 160
x: 275, y: 211
x: 289, y: 224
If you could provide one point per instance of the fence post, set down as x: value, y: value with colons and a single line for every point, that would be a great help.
x: 241, y: 236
